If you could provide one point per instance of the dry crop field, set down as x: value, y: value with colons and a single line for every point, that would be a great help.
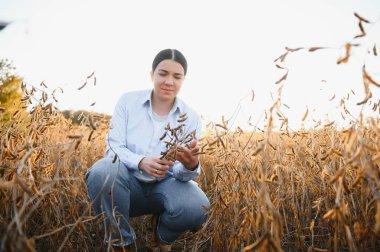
x: 315, y: 190
x: 270, y: 190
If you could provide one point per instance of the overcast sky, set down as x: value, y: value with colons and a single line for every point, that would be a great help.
x: 230, y: 47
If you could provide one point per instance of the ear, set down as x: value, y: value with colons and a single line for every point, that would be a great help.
x: 151, y: 75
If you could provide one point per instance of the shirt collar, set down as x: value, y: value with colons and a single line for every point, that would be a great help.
x: 147, y: 99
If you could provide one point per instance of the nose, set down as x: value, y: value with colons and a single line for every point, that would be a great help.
x: 169, y: 81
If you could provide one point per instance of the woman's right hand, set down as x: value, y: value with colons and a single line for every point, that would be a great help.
x: 155, y: 166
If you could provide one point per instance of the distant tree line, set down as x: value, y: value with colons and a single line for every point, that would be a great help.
x: 10, y: 91
x: 78, y: 116
x: 11, y: 95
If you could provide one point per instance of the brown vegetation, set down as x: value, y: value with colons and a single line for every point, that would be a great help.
x: 314, y: 190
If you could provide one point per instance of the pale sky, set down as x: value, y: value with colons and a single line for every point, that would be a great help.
x: 229, y: 45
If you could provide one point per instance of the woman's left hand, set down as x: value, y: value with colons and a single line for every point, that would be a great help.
x: 186, y: 155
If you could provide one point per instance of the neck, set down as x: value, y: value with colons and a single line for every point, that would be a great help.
x: 161, y: 107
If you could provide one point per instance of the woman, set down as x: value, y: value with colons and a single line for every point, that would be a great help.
x: 140, y: 181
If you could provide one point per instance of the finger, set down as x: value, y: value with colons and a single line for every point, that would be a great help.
x: 191, y: 152
x: 158, y: 166
x: 157, y: 173
x: 153, y: 172
x: 181, y: 156
x: 181, y: 148
x: 193, y: 144
x: 165, y: 162
x: 184, y: 150
x: 195, y: 150
x: 182, y: 159
x: 160, y: 170
x: 163, y: 168
x: 187, y: 160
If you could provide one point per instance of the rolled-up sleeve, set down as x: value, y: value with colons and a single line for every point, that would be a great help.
x: 117, y: 138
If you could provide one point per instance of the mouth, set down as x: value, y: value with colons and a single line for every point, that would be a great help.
x: 167, y: 90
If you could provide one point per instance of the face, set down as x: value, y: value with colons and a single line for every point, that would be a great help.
x: 167, y: 79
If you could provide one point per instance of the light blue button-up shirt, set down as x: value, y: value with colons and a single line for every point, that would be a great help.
x: 132, y: 134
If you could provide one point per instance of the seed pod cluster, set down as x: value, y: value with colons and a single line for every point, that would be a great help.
x: 176, y: 137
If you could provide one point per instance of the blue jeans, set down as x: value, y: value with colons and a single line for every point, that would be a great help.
x: 114, y: 190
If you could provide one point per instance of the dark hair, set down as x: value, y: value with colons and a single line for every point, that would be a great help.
x: 171, y: 54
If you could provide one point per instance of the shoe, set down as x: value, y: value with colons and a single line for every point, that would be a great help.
x: 160, y: 247
x: 155, y: 244
x: 165, y: 247
x: 116, y: 247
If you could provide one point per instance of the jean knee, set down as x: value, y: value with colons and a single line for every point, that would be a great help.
x: 103, y: 173
x: 193, y: 210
